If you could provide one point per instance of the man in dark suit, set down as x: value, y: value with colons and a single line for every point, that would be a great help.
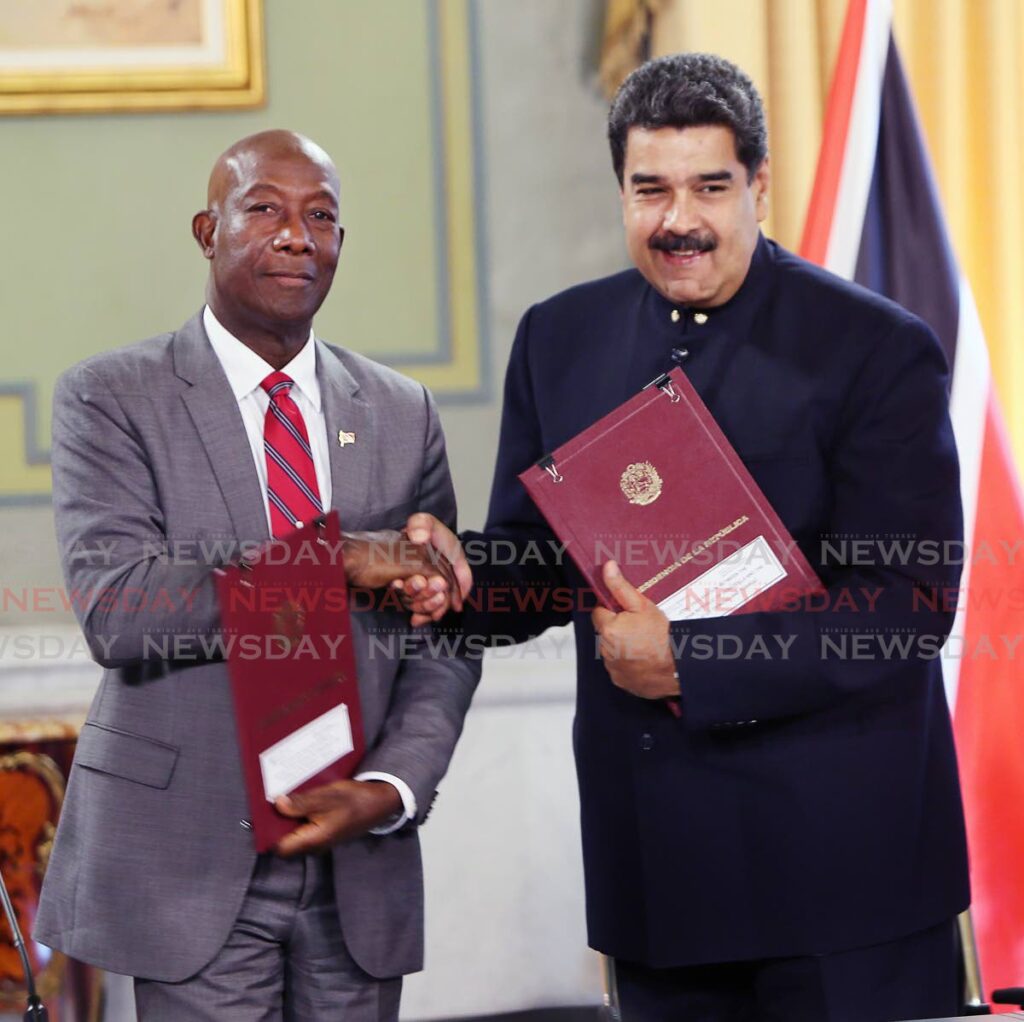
x: 791, y: 845
x: 225, y: 432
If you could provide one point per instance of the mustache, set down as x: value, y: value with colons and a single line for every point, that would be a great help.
x: 692, y: 242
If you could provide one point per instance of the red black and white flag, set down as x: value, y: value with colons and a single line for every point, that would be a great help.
x: 875, y: 217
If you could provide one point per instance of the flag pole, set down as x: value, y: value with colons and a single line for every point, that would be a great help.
x: 974, y: 991
x: 610, y: 1011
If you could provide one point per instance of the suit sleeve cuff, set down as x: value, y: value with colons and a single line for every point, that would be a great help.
x: 405, y: 793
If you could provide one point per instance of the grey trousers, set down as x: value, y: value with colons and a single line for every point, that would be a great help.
x: 285, y: 959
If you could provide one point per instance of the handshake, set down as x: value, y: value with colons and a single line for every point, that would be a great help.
x: 424, y: 563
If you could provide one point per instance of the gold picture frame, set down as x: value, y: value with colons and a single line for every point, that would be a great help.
x: 83, y: 56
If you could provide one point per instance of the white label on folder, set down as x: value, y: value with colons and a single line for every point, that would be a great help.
x: 732, y: 582
x: 305, y: 752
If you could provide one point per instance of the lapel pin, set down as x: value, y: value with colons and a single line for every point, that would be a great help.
x: 346, y: 438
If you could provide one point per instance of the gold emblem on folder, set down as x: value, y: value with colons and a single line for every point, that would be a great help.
x: 641, y: 483
x: 290, y: 623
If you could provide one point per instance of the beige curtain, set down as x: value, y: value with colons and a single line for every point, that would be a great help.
x: 965, y: 61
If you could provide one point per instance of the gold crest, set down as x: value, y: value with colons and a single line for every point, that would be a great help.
x: 290, y: 622
x: 345, y: 438
x: 641, y: 483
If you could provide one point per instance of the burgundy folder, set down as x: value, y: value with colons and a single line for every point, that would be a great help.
x: 288, y: 640
x: 656, y: 486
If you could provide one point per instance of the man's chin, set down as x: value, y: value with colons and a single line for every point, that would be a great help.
x: 685, y: 292
x: 301, y: 310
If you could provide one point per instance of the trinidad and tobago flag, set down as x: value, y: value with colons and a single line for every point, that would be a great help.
x: 875, y: 217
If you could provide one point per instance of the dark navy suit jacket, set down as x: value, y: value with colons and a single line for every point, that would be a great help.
x: 799, y: 805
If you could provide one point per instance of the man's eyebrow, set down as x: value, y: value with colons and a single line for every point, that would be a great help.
x: 645, y: 179
x: 267, y: 186
x: 654, y: 179
x: 258, y: 186
x: 326, y: 193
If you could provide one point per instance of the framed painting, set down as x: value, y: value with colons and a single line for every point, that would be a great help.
x: 89, y: 56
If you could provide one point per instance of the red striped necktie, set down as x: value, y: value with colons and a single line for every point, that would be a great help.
x: 292, y: 490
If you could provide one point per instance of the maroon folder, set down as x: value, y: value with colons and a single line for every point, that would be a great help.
x: 656, y: 486
x: 288, y: 640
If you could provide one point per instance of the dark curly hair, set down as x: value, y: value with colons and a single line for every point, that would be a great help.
x: 687, y: 90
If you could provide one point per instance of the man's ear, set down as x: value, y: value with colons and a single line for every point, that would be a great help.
x: 204, y: 223
x: 762, y: 184
x: 341, y: 237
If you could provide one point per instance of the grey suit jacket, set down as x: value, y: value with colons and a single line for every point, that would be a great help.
x: 151, y: 462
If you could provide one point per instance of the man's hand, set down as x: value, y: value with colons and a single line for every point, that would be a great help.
x: 634, y: 643
x: 377, y: 559
x: 424, y: 528
x: 336, y: 812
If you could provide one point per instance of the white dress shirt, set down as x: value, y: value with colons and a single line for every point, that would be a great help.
x: 246, y: 371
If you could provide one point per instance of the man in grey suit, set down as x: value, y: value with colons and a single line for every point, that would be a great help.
x: 159, y: 456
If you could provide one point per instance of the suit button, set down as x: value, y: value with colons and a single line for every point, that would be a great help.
x: 647, y: 741
x: 245, y: 824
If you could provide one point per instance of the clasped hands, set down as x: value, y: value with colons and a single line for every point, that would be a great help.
x: 424, y: 563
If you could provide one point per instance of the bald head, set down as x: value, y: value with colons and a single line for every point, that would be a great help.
x: 237, y: 163
x: 272, y: 235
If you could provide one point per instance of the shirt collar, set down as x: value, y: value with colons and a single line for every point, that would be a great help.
x: 245, y: 369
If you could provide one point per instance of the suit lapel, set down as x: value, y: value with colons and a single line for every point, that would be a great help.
x: 346, y: 410
x: 214, y: 411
